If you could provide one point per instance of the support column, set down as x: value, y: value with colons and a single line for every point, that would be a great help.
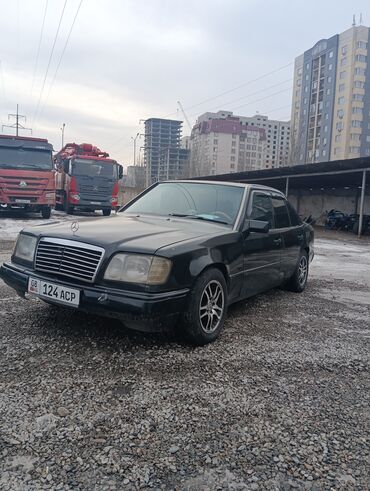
x: 362, y: 203
x: 287, y: 186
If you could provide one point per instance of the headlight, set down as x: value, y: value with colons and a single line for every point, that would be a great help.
x: 75, y: 196
x: 137, y: 268
x: 25, y: 247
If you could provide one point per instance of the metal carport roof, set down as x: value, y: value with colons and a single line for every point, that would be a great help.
x: 345, y: 174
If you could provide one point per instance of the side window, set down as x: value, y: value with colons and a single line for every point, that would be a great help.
x: 294, y: 217
x: 280, y: 212
x: 261, y: 208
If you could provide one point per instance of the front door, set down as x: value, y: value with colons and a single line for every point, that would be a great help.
x: 262, y: 251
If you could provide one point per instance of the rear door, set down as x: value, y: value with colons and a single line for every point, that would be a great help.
x: 291, y: 231
x: 261, y: 250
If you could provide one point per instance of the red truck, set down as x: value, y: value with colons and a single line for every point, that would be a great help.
x: 86, y: 179
x: 27, y: 179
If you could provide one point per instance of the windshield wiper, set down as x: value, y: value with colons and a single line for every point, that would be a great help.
x: 197, y: 217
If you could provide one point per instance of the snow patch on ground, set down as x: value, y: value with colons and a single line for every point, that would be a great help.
x: 12, y: 223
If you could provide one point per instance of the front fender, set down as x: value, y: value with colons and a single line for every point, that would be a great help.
x: 190, y: 260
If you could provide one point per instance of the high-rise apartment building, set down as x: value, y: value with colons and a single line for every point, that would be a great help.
x: 331, y: 99
x: 224, y: 143
x: 163, y: 156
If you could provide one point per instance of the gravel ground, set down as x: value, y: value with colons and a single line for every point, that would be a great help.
x: 279, y: 402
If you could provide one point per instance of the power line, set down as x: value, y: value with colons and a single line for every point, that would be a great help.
x: 3, y: 94
x: 248, y: 82
x: 49, y: 62
x: 2, y: 80
x: 262, y: 98
x: 242, y: 85
x: 249, y: 95
x: 62, y: 54
x: 39, y: 46
x: 18, y: 46
x: 255, y: 100
x: 268, y: 112
x: 279, y: 109
x: 229, y: 91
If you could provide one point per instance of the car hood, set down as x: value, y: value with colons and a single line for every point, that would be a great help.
x: 130, y: 233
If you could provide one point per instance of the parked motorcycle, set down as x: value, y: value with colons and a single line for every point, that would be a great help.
x: 337, y: 220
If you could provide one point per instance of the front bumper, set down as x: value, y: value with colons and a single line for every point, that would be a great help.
x: 139, y: 310
x: 98, y: 204
x: 34, y: 205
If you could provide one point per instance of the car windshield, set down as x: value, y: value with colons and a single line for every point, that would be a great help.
x: 212, y: 202
x: 94, y: 168
x: 25, y: 158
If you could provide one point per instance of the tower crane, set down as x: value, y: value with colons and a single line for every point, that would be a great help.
x: 184, y: 114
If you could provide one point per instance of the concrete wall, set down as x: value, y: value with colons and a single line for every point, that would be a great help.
x: 316, y: 204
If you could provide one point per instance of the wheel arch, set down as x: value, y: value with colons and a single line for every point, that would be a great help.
x: 221, y: 267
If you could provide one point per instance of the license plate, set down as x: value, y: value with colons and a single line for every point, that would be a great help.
x: 95, y: 202
x: 53, y: 292
x: 26, y: 201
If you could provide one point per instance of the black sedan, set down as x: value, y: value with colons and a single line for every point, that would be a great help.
x: 175, y: 257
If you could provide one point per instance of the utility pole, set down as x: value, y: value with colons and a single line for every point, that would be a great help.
x: 17, y: 125
x: 134, y: 140
x: 62, y: 130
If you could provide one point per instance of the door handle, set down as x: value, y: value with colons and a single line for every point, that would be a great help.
x: 277, y: 242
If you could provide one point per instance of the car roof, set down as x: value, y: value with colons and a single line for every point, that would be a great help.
x: 227, y: 183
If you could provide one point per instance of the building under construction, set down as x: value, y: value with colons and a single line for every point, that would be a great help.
x: 163, y: 156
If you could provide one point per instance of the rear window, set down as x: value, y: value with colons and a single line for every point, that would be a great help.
x: 281, y: 212
x: 294, y: 217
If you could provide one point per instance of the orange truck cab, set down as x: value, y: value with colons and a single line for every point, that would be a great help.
x: 27, y: 176
x: 86, y: 179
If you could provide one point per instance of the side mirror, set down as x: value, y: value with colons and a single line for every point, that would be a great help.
x: 120, y: 172
x: 258, y: 226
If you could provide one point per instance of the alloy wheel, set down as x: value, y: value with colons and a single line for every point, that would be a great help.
x: 212, y: 305
x: 302, y: 270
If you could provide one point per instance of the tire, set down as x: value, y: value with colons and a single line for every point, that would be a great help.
x: 106, y: 213
x: 356, y: 227
x: 297, y: 283
x: 69, y: 209
x: 200, y: 324
x: 46, y: 212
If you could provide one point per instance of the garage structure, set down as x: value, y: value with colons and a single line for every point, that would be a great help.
x: 316, y: 188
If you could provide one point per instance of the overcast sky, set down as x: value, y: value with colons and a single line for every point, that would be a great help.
x: 130, y: 60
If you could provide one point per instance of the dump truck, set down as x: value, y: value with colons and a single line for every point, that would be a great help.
x: 27, y: 180
x: 86, y: 179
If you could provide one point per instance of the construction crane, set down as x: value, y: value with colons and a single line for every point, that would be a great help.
x: 185, y: 117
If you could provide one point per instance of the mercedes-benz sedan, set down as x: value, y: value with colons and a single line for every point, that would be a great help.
x: 175, y: 257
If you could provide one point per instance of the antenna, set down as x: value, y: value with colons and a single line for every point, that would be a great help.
x: 354, y: 20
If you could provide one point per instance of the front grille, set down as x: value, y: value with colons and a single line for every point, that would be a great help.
x: 33, y: 185
x: 95, y: 193
x: 89, y: 188
x: 68, y: 258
